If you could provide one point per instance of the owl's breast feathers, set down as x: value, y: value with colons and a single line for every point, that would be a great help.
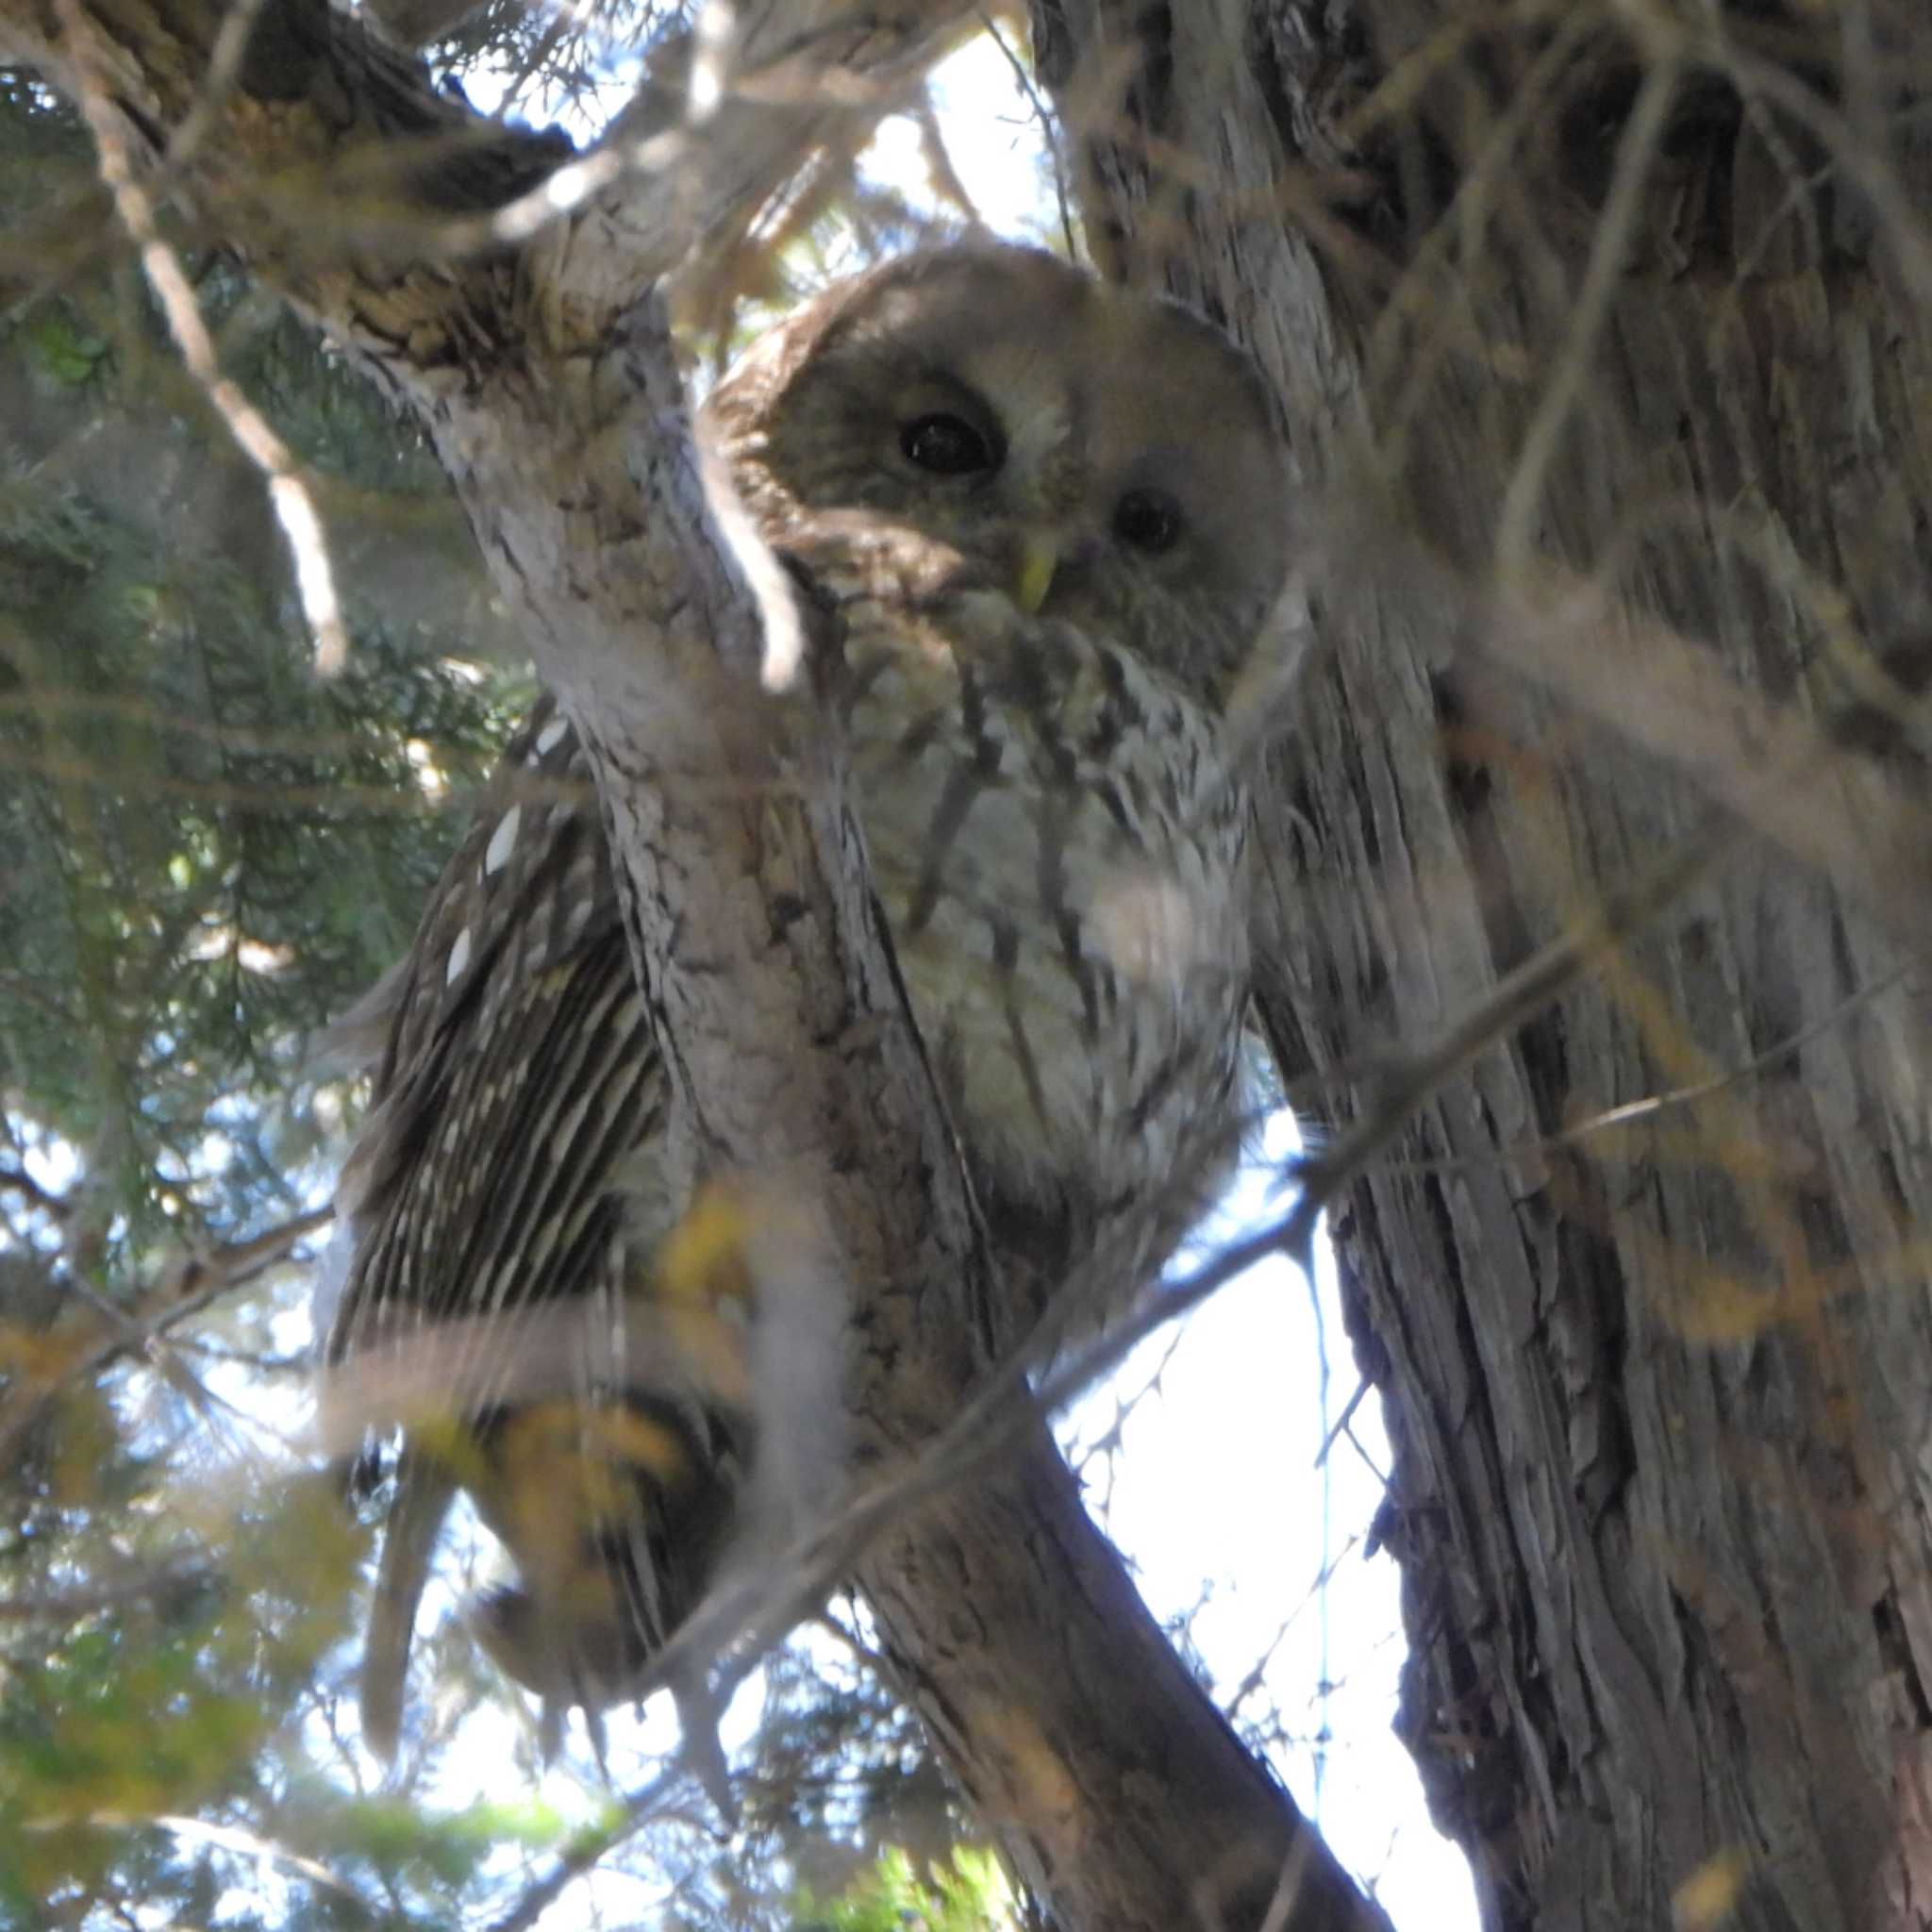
x: 1058, y: 852
x: 1059, y: 848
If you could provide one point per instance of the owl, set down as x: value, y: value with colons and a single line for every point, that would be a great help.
x: 1048, y: 520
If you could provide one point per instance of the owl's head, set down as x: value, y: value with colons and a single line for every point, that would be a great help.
x: 987, y: 418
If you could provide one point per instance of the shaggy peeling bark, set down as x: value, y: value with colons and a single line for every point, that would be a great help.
x: 1656, y: 1381
x: 542, y: 369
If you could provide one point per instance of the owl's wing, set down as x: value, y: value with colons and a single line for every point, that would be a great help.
x: 520, y: 958
x: 499, y: 1203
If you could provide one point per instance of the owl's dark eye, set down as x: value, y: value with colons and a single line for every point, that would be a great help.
x: 947, y: 445
x: 1148, y: 519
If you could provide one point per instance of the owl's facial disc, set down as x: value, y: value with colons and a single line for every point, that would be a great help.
x: 1031, y: 470
x: 992, y: 422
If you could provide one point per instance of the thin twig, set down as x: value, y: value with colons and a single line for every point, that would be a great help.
x: 1609, y: 247
x: 227, y: 1837
x: 1342, y: 1421
x: 189, y: 1287
x: 288, y: 489
x: 224, y: 69
x: 1049, y: 130
x: 18, y: 1181
x: 1652, y: 1104
x: 70, y: 1605
x: 637, y: 1808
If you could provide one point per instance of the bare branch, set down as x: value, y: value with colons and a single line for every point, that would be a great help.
x: 288, y: 489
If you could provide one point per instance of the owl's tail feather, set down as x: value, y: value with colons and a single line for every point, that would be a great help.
x: 537, y: 1641
x: 425, y: 1488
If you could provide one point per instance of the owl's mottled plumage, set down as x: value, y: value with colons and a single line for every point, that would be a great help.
x: 1051, y: 519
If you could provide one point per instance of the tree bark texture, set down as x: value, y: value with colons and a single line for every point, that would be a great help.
x: 1571, y: 301
x: 533, y: 346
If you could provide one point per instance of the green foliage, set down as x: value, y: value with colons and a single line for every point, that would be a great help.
x: 210, y: 850
x: 161, y: 1684
x: 59, y: 348
x: 969, y: 1894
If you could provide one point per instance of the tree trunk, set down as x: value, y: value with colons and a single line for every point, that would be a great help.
x: 1566, y: 298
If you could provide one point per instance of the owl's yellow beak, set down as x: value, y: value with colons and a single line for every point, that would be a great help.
x: 1038, y: 559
